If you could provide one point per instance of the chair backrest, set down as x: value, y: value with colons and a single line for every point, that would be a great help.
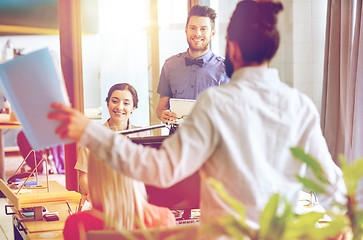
x: 188, y: 231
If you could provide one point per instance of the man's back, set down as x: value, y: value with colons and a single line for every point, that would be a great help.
x: 249, y: 152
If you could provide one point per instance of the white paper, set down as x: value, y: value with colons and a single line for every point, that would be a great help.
x: 181, y: 107
x: 31, y: 83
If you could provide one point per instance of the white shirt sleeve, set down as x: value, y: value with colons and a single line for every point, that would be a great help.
x: 180, y: 155
x: 315, y: 145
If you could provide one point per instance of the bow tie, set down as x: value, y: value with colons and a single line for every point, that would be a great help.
x: 191, y: 61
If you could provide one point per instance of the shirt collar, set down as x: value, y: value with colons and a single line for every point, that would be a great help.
x: 256, y: 74
x: 129, y: 126
x: 206, y: 57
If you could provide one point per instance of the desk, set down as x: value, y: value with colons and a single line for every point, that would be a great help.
x: 5, y: 123
x: 53, y: 235
x: 28, y: 228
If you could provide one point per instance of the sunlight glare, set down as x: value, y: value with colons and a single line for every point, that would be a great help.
x: 120, y: 16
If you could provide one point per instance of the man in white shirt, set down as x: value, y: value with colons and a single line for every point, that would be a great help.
x: 239, y: 133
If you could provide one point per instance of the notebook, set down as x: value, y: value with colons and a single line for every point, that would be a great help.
x: 31, y: 83
x: 181, y: 107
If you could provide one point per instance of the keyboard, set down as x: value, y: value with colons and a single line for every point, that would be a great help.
x: 187, y: 221
x: 192, y: 217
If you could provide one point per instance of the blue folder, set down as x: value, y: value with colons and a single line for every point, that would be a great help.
x: 31, y: 83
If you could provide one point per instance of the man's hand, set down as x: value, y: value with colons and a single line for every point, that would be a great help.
x: 73, y: 122
x: 168, y: 116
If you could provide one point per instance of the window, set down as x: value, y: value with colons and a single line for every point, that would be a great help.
x: 117, y: 53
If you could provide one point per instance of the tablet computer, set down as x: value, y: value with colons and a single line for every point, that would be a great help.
x: 181, y: 107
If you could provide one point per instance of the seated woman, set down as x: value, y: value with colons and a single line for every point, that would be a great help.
x: 118, y: 203
x: 121, y: 102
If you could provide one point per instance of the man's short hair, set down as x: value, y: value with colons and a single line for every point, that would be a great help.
x: 203, y: 11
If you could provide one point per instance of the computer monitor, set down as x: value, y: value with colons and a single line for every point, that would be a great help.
x: 184, y: 195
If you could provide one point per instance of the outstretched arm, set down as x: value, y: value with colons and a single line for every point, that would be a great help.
x: 180, y: 155
x: 73, y: 122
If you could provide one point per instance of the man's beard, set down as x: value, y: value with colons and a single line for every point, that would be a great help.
x: 193, y: 49
x: 228, y: 64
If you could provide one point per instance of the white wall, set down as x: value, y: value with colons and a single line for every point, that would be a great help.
x: 300, y: 58
x: 91, y: 71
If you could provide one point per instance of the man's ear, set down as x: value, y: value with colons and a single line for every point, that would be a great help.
x: 213, y: 32
x: 235, y: 55
x: 234, y: 51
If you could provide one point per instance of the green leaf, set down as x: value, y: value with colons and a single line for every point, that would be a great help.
x: 304, y: 227
x: 311, y: 185
x: 311, y: 162
x: 351, y: 174
x: 275, y: 218
x: 235, y: 204
x: 359, y: 218
x: 332, y: 229
x: 268, y: 215
x: 226, y: 225
x: 342, y: 161
x: 307, y: 220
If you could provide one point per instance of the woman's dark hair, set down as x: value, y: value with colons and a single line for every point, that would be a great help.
x: 124, y: 86
x: 253, y: 27
x: 203, y: 11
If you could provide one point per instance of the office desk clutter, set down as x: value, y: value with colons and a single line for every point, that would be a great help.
x: 20, y: 183
x: 7, y: 52
x: 50, y: 217
x: 30, y: 178
x: 44, y: 192
x: 37, y: 211
x: 34, y: 213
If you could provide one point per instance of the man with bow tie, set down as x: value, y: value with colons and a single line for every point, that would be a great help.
x: 187, y: 74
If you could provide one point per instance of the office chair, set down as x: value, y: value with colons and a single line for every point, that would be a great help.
x: 188, y: 231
